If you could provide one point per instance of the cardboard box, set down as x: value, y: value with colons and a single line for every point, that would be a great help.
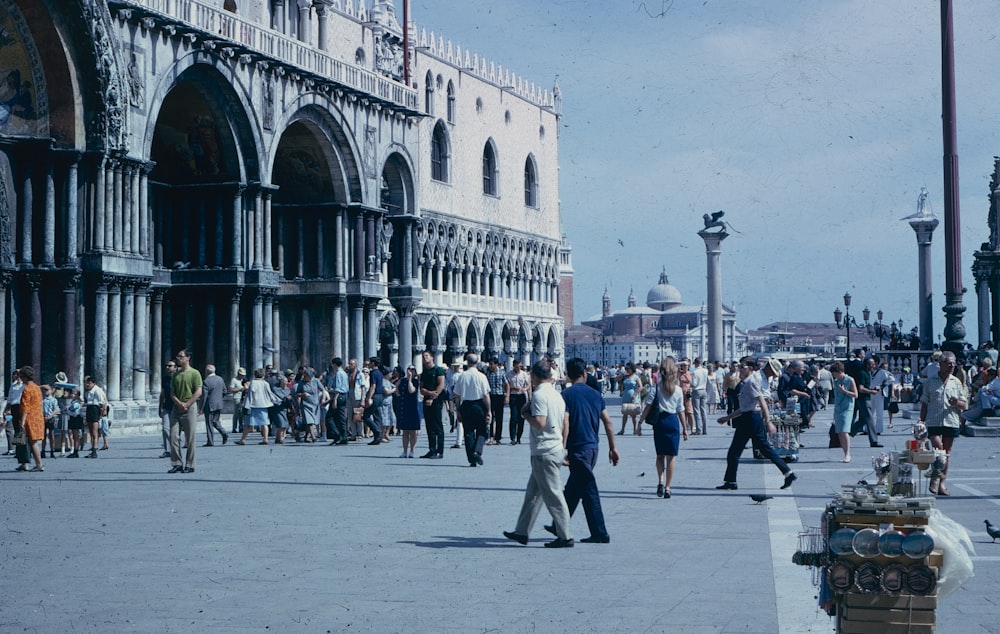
x: 877, y: 615
x: 890, y: 602
x: 871, y: 627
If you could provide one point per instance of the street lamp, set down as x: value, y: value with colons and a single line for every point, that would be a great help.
x: 879, y: 330
x: 849, y: 321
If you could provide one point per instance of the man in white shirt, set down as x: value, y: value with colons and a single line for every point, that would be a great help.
x: 699, y: 396
x: 452, y: 374
x: 546, y: 414
x: 472, y: 396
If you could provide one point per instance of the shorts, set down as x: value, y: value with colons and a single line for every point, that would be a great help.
x: 76, y: 423
x: 629, y: 409
x: 944, y: 432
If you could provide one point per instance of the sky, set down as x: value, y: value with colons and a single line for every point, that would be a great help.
x: 812, y: 124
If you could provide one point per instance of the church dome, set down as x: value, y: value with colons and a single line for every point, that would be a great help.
x: 663, y: 295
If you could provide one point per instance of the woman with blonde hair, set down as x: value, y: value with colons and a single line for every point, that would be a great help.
x: 664, y: 403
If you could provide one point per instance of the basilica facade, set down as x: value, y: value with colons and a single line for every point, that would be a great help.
x: 266, y: 182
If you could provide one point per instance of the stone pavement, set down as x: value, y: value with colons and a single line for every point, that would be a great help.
x: 314, y: 538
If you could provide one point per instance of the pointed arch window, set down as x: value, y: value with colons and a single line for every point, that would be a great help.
x: 429, y: 93
x: 439, y: 154
x: 451, y: 103
x: 530, y: 183
x: 490, y: 175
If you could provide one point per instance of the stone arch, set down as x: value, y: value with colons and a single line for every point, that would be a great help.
x: 397, y: 195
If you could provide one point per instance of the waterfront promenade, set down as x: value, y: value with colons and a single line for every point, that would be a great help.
x: 311, y: 538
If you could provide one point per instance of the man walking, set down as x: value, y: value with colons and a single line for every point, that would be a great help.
x: 336, y: 415
x: 546, y: 415
x: 374, y: 400
x: 699, y: 397
x: 213, y: 389
x: 432, y: 392
x: 472, y: 396
x: 499, y: 397
x: 185, y: 388
x: 520, y: 390
x: 585, y: 413
x: 751, y: 418
x: 96, y: 403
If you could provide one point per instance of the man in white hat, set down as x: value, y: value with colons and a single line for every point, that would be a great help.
x: 753, y: 422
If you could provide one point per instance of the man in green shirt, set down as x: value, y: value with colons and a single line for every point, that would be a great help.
x: 185, y: 390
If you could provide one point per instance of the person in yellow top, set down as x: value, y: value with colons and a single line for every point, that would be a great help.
x: 32, y: 421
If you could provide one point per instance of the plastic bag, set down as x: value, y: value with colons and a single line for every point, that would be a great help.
x: 953, y: 540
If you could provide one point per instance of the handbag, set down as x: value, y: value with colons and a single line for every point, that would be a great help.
x: 834, y: 439
x: 19, y: 438
x: 358, y: 414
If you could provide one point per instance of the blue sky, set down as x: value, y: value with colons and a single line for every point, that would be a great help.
x: 813, y: 124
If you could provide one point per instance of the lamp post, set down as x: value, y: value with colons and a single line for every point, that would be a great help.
x: 849, y: 321
x: 878, y: 329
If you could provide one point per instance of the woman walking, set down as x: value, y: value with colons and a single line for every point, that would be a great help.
x: 630, y: 386
x: 32, y: 422
x: 663, y: 405
x: 259, y: 401
x: 845, y: 391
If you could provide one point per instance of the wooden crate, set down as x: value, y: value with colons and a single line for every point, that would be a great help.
x: 878, y: 615
x: 890, y: 602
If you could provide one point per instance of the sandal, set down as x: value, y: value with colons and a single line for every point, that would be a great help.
x: 943, y: 491
x: 239, y: 442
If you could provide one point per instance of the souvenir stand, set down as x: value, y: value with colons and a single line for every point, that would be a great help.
x: 785, y: 440
x: 879, y: 551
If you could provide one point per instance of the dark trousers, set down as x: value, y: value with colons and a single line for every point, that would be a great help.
x: 497, y: 406
x: 581, y: 486
x: 373, y: 415
x: 864, y: 421
x: 517, y: 401
x: 750, y: 426
x: 213, y: 424
x: 474, y: 423
x: 336, y: 419
x: 435, y: 426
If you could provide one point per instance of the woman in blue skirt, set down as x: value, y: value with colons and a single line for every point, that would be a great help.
x: 663, y: 404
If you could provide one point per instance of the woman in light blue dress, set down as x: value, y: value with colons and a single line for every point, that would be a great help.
x: 845, y: 391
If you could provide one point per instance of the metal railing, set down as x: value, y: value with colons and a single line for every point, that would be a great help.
x: 224, y: 25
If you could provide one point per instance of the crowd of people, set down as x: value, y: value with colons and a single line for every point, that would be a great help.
x: 365, y: 402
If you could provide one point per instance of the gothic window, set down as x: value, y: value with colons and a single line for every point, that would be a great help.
x: 490, y: 175
x: 439, y: 154
x: 530, y: 183
x: 451, y: 102
x: 429, y: 93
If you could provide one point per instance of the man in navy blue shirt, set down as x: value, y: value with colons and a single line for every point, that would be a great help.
x: 585, y: 411
x: 373, y: 401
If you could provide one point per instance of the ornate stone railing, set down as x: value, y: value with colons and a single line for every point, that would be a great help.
x: 217, y: 23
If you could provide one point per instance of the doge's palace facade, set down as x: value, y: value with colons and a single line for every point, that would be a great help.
x: 265, y: 181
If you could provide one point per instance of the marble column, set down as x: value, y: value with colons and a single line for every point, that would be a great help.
x: 137, y: 212
x: 72, y: 185
x: 276, y: 330
x: 25, y: 221
x: 5, y: 284
x: 713, y: 250
x: 258, y: 229
x: 322, y: 19
x: 49, y: 220
x: 257, y: 331
x: 113, y: 388
x: 300, y: 244
x: 356, y: 326
x: 924, y: 227
x: 97, y: 222
x: 338, y: 327
x: 156, y: 342
x: 405, y: 336
x: 371, y: 328
x: 115, y: 212
x: 268, y: 345
x: 99, y: 352
x: 303, y: 25
x: 35, y: 324
x: 359, y: 245
x: 305, y: 332
x: 127, y: 339
x: 145, y: 214
x: 268, y: 260
x: 234, y: 332
x: 70, y: 354
x: 141, y: 343
x: 237, y: 259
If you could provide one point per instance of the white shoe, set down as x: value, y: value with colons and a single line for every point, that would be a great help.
x: 410, y: 455
x: 403, y: 455
x: 848, y: 459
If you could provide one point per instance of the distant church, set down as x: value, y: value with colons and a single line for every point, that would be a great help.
x: 663, y: 327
